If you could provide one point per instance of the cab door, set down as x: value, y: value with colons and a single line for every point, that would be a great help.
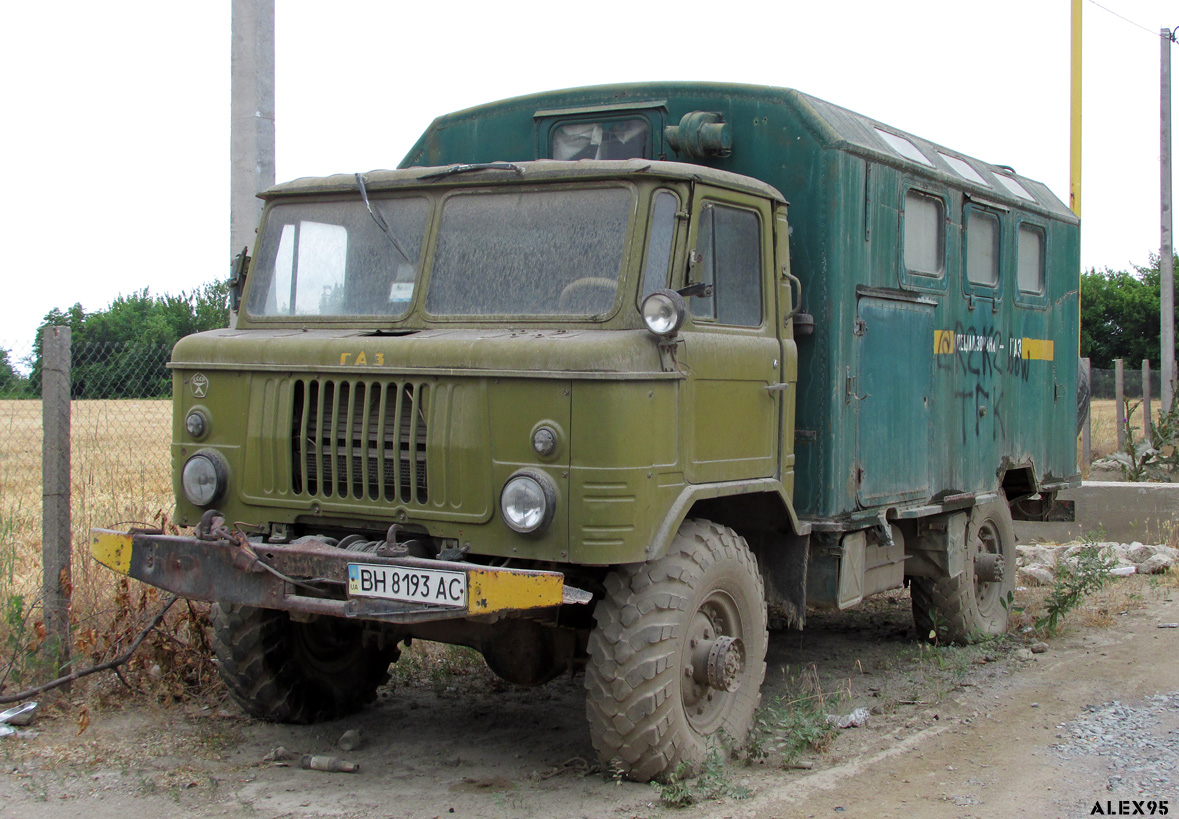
x: 730, y: 349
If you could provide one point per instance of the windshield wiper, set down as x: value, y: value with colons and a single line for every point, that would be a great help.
x: 476, y: 166
x: 380, y: 220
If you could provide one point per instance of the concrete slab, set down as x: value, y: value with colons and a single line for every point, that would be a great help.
x: 1112, y: 510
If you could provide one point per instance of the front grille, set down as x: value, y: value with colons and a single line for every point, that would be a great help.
x: 362, y: 440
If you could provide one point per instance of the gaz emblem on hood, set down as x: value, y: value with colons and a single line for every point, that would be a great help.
x: 361, y: 358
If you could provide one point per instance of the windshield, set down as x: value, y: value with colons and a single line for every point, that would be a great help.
x: 333, y: 259
x: 530, y: 253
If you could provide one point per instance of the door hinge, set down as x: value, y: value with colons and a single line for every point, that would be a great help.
x: 860, y: 327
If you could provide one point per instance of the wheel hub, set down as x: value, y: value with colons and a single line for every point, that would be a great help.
x: 726, y: 662
x: 719, y: 663
x: 988, y: 567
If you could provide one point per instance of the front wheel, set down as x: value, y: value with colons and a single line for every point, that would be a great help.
x: 286, y: 671
x: 677, y: 656
x: 973, y: 604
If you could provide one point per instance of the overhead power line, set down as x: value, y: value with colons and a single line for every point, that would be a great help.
x: 1150, y: 31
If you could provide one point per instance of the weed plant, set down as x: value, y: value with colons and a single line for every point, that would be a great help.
x: 789, y: 727
x: 1073, y: 584
x: 795, y: 723
x: 682, y: 789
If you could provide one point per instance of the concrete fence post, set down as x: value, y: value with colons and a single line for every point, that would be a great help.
x: 55, y: 488
x: 1087, y: 429
x: 1147, y: 423
x: 1120, y: 401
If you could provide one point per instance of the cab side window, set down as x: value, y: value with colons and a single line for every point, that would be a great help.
x: 728, y: 257
x: 660, y: 241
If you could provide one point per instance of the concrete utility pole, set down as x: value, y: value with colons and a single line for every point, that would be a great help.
x: 251, y: 132
x: 1167, y: 251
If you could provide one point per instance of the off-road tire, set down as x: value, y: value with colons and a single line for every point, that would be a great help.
x: 641, y: 705
x: 959, y: 609
x: 283, y: 671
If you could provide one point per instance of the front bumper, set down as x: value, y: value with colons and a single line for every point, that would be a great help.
x: 312, y: 577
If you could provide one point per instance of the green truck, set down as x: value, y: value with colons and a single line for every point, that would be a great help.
x: 604, y: 378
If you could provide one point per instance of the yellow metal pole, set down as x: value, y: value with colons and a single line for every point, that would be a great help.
x: 1074, y: 193
x: 1074, y: 196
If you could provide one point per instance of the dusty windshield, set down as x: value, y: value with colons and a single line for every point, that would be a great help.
x: 530, y: 252
x: 333, y: 259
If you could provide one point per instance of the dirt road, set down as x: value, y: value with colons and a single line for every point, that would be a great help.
x: 954, y: 733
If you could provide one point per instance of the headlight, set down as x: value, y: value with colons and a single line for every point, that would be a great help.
x: 196, y: 424
x: 664, y: 312
x: 204, y: 478
x: 528, y: 501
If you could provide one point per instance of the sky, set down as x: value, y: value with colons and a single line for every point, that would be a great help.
x: 117, y: 113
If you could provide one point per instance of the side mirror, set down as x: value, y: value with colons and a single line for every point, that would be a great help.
x: 237, y: 278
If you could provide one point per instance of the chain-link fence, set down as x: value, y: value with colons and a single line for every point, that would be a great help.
x: 59, y: 610
x: 120, y: 434
x: 1103, y: 383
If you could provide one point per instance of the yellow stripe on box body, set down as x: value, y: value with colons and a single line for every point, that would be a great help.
x: 943, y: 342
x: 1039, y: 349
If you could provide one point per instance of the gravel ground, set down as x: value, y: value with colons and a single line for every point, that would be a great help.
x: 1138, y: 745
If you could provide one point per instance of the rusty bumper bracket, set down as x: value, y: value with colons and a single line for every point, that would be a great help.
x: 302, y: 577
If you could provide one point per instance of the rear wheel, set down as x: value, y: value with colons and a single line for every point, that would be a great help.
x: 677, y: 657
x: 286, y: 671
x: 973, y: 604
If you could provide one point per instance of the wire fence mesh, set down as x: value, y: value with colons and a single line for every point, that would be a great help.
x: 120, y: 469
x: 1103, y: 383
x: 120, y: 473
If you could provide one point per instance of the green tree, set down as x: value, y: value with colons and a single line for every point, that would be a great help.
x: 123, y: 350
x: 12, y: 384
x: 1120, y: 314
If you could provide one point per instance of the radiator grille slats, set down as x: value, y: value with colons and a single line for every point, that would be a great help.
x: 360, y: 440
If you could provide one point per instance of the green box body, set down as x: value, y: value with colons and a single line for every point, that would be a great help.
x: 911, y: 387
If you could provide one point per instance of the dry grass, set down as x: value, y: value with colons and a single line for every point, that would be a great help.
x: 120, y: 472
x: 1104, y: 426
